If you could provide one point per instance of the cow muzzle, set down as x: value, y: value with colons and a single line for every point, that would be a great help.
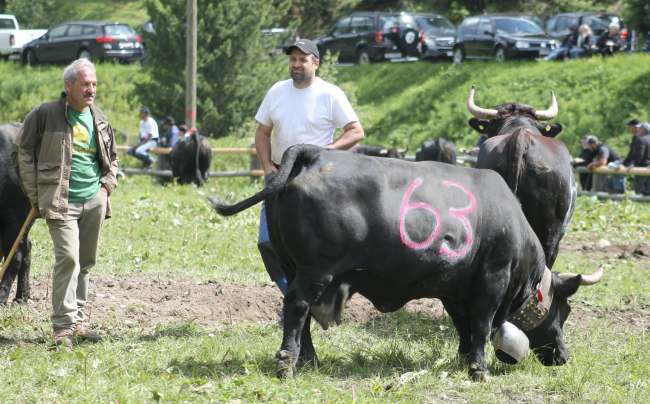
x: 510, y: 344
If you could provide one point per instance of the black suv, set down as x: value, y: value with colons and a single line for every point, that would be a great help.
x: 558, y: 26
x: 85, y: 39
x: 365, y: 37
x: 501, y: 37
x: 439, y: 35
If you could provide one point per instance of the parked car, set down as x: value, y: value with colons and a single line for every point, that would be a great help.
x: 558, y: 26
x: 501, y: 37
x: 284, y: 37
x: 93, y: 40
x: 365, y: 37
x: 12, y: 38
x: 439, y: 35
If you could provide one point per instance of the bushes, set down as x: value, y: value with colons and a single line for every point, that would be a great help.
x: 409, y: 103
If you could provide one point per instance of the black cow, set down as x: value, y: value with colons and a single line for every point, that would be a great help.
x: 190, y: 163
x: 14, y: 209
x: 395, y: 231
x: 536, y: 166
x: 441, y: 150
x: 379, y: 151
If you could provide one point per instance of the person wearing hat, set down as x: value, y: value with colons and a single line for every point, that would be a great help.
x: 302, y: 110
x: 639, y: 156
x: 172, y: 134
x: 606, y: 157
x: 147, y: 138
x: 570, y: 42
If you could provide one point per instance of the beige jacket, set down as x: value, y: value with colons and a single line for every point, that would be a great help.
x: 42, y: 155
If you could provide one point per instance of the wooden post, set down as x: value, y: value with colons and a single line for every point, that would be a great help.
x: 190, y: 84
x: 598, y: 182
x: 255, y: 164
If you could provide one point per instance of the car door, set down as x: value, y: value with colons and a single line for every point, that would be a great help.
x: 360, y: 27
x: 337, y: 44
x: 466, y: 34
x: 71, y: 42
x: 484, y: 38
x: 49, y: 49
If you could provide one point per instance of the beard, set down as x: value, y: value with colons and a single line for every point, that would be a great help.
x: 298, y: 77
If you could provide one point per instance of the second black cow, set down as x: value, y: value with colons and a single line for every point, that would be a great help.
x: 441, y: 150
x: 191, y: 164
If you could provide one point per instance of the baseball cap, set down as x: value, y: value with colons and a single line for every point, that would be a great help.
x: 144, y: 110
x: 633, y: 122
x: 183, y: 128
x: 169, y: 121
x: 306, y: 46
x: 645, y: 126
x: 592, y: 139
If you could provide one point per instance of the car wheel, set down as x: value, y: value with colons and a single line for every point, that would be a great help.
x: 363, y: 57
x: 30, y: 58
x: 500, y: 54
x: 459, y: 55
x: 85, y: 54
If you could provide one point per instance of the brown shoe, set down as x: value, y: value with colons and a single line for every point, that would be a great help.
x: 63, y: 336
x: 86, y: 333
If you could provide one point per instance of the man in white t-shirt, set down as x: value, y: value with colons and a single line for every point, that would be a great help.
x: 147, y: 138
x: 303, y: 110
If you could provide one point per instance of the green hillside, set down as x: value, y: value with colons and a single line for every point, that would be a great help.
x: 408, y: 103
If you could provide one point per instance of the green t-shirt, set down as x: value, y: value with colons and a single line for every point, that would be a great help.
x: 84, y: 171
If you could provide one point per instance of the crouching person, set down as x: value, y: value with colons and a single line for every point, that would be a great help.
x: 66, y: 158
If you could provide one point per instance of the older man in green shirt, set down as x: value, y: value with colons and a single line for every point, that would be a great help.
x: 66, y: 158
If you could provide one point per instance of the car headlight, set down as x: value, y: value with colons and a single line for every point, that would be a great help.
x: 429, y: 42
x: 552, y: 44
x: 522, y: 44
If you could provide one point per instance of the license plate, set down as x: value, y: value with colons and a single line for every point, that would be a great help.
x: 544, y: 51
x: 126, y: 45
x: 450, y: 53
x: 393, y: 55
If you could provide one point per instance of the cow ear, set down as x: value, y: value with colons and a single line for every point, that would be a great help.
x: 549, y: 129
x: 479, y: 125
x: 567, y: 287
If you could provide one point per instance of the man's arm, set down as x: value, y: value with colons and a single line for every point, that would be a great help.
x: 145, y: 140
x: 352, y: 134
x: 599, y: 163
x: 263, y: 147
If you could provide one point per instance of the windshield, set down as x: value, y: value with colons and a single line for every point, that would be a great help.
x: 398, y: 21
x: 435, y: 24
x: 118, y: 30
x: 508, y: 26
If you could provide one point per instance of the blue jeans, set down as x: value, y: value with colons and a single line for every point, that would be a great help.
x: 263, y: 235
x: 141, y: 152
x: 615, y: 182
x: 555, y: 53
x: 576, y: 53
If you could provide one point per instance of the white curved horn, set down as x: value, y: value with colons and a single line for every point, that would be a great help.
x: 478, y: 111
x: 587, y: 280
x: 551, y: 112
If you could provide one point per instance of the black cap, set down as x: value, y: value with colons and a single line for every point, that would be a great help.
x: 306, y: 46
x: 633, y: 122
x: 144, y: 110
x: 169, y: 121
x: 183, y: 128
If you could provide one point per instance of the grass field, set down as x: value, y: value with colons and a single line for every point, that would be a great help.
x: 400, y: 357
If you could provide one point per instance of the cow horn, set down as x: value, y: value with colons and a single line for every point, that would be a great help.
x: 587, y: 280
x: 402, y: 151
x: 551, y: 112
x: 383, y: 152
x: 477, y: 111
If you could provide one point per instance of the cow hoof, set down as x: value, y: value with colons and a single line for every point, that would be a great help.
x: 478, y: 375
x: 284, y: 365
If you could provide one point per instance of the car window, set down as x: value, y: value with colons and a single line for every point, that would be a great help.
x: 484, y: 26
x: 469, y: 26
x: 550, y: 25
x: 7, y: 23
x: 435, y: 24
x: 57, y: 32
x: 121, y: 29
x: 88, y: 30
x: 386, y: 24
x: 406, y: 21
x: 75, y: 30
x: 361, y: 24
x: 515, y: 26
x: 341, y: 27
x: 600, y: 23
x: 561, y: 24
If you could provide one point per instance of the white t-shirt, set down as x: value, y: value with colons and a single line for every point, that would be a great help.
x: 309, y: 115
x: 148, y: 127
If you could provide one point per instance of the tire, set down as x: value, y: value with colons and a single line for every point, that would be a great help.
x: 85, y: 54
x: 408, y: 41
x: 363, y: 57
x: 30, y: 58
x: 500, y: 54
x: 459, y: 56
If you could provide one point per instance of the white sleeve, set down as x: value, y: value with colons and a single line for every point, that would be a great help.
x: 342, y: 112
x: 154, y: 129
x: 264, y: 113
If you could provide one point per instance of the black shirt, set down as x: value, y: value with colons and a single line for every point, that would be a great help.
x: 604, y: 151
x: 642, y: 152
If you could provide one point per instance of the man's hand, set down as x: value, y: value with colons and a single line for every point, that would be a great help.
x: 263, y: 148
x: 103, y: 188
x: 578, y: 160
x: 352, y: 134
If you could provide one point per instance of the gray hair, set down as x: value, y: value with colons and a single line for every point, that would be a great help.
x: 72, y: 71
x: 615, y: 25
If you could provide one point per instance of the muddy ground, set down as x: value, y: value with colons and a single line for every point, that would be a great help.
x: 146, y: 301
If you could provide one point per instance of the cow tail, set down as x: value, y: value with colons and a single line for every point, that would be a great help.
x: 197, y: 139
x: 517, y: 146
x: 297, y: 154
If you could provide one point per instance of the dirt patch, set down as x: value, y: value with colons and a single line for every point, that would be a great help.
x: 615, y: 250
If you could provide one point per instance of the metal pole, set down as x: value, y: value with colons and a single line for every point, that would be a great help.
x: 190, y: 84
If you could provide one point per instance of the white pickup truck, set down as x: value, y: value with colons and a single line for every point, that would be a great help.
x: 12, y: 38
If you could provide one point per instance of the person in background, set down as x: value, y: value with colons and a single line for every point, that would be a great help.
x: 570, y: 42
x: 609, y: 43
x: 585, y: 157
x: 172, y: 133
x: 147, y: 138
x: 606, y: 157
x: 585, y: 43
x: 640, y: 158
x: 182, y: 131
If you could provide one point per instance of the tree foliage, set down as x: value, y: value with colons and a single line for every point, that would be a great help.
x: 33, y: 13
x: 234, y: 71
